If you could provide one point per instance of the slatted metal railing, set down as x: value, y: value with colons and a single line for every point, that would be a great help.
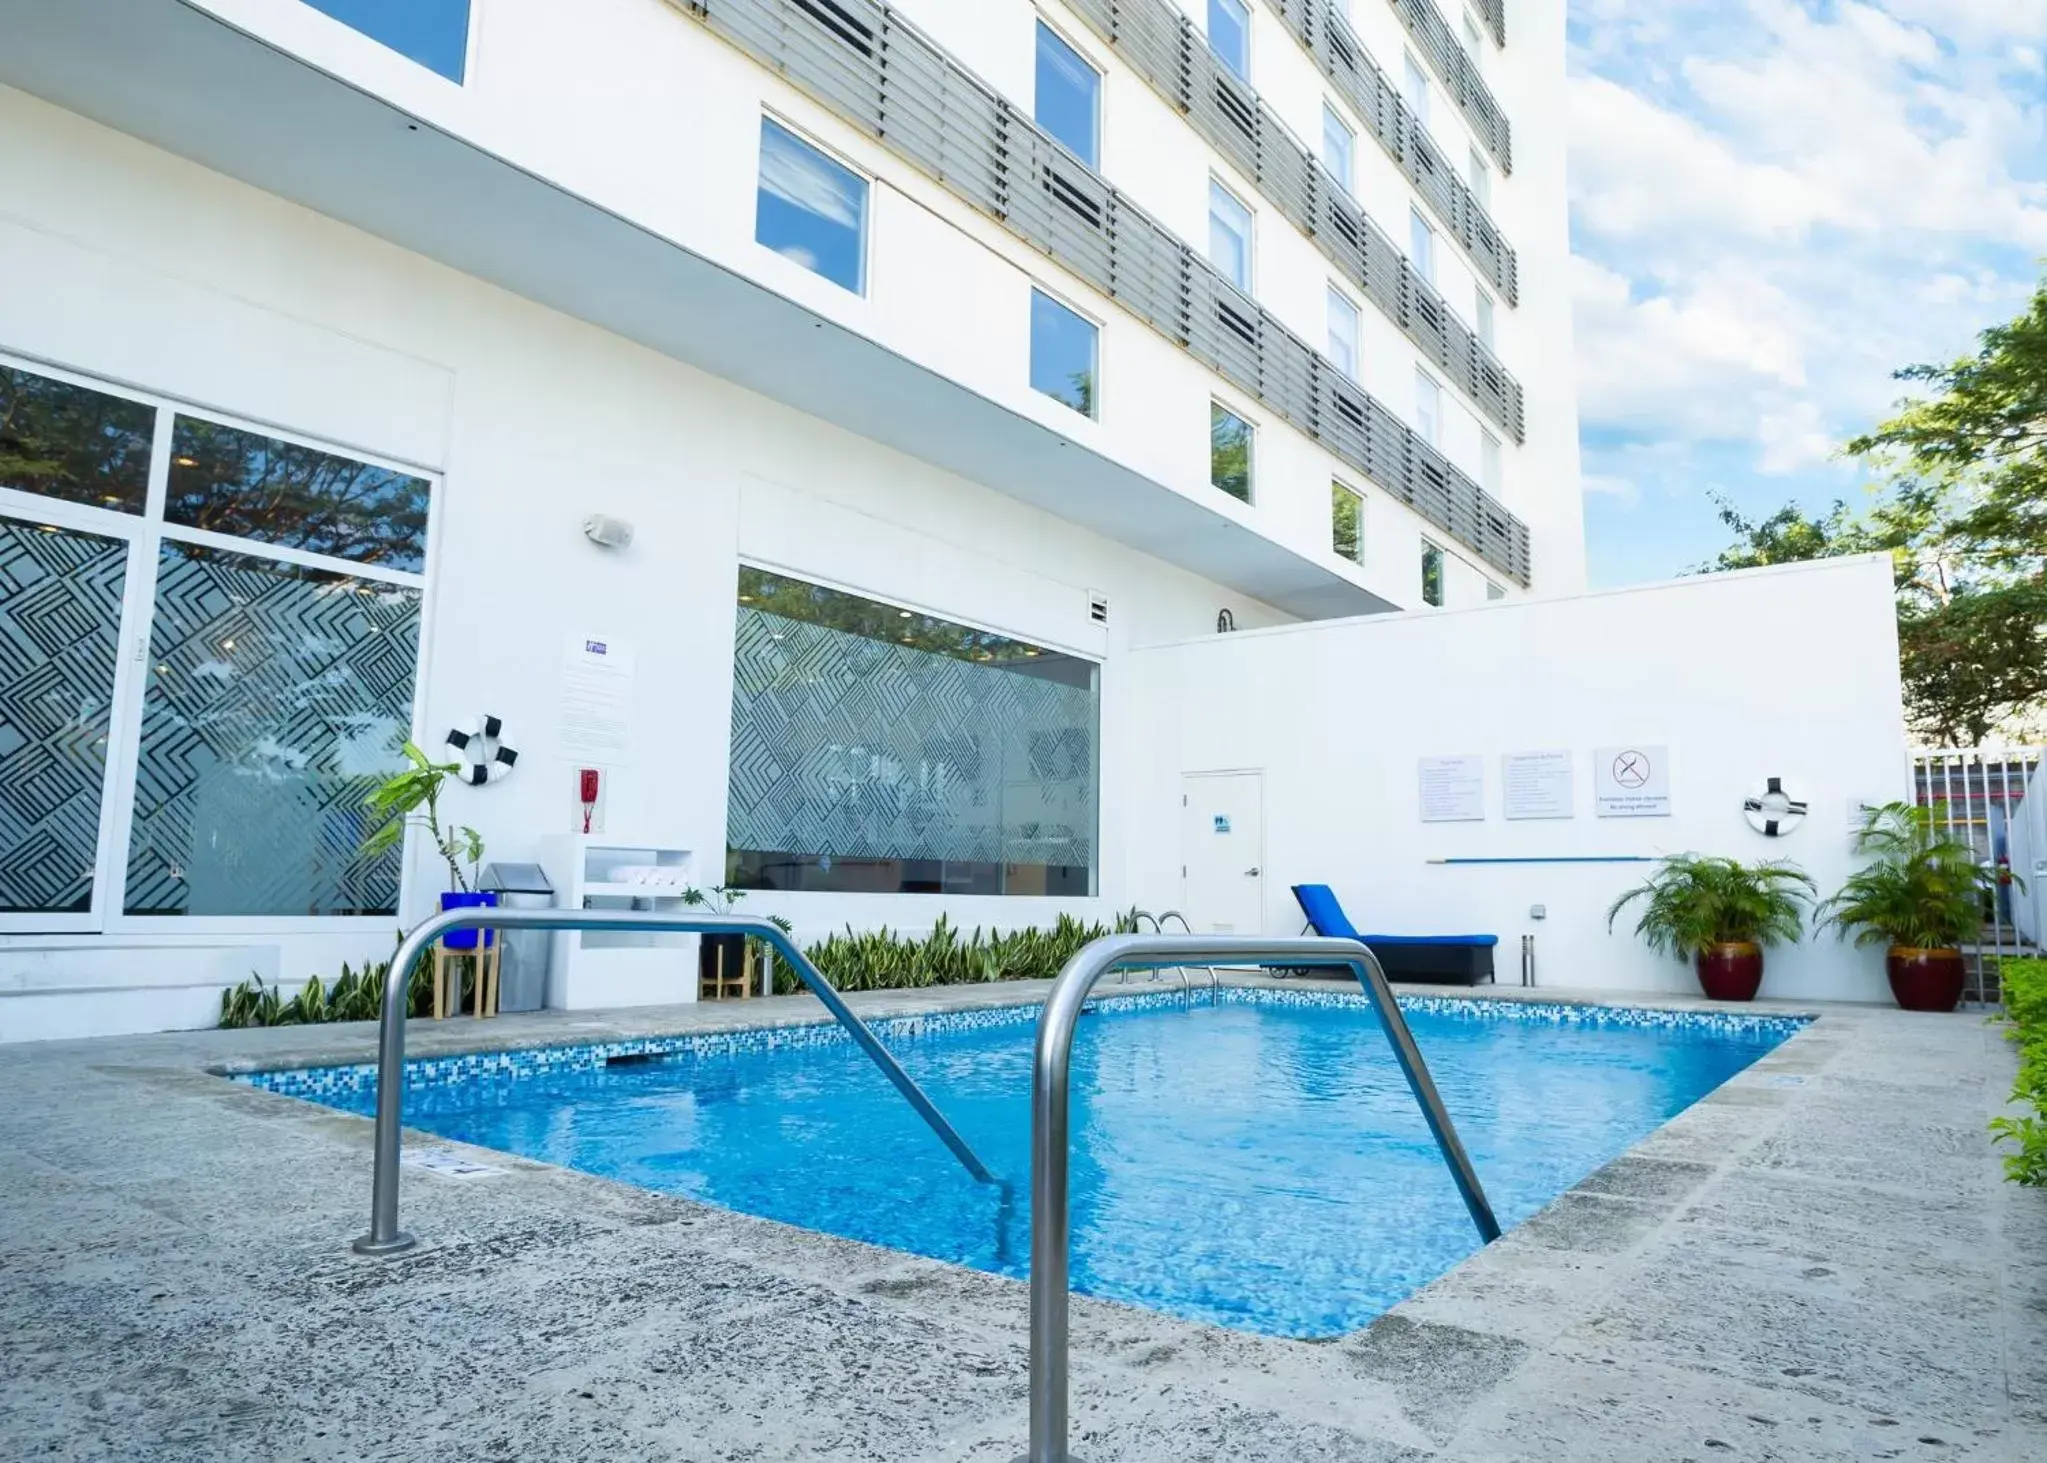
x: 880, y: 74
x: 1343, y: 59
x: 1495, y: 13
x: 1166, y: 48
x: 1445, y: 52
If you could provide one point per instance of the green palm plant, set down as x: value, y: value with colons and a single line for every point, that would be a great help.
x: 1694, y: 902
x: 413, y: 796
x: 1922, y: 889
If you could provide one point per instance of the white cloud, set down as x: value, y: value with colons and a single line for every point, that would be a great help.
x: 1776, y: 205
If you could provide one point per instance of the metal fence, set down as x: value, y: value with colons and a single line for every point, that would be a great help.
x: 1994, y: 798
x: 1495, y: 13
x: 1432, y: 37
x: 1164, y: 47
x: 861, y: 60
x: 1342, y: 57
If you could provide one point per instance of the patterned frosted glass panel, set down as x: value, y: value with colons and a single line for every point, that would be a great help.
x: 247, y: 485
x: 278, y: 697
x: 878, y: 750
x: 60, y: 631
x: 63, y: 441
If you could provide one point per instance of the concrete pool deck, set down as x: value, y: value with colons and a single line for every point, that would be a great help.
x: 1818, y: 1261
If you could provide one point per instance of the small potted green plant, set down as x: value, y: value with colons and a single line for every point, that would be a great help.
x: 1721, y: 913
x: 411, y: 797
x: 1922, y: 895
x: 726, y: 963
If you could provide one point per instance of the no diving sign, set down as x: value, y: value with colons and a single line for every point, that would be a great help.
x: 1632, y: 781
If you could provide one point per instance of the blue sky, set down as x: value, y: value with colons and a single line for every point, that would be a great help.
x: 1775, y: 203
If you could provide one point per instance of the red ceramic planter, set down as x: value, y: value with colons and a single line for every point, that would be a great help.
x: 1731, y: 972
x: 1925, y: 980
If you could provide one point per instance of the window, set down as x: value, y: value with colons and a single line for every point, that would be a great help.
x: 1481, y: 181
x: 1474, y: 38
x: 1432, y: 575
x: 1229, y: 452
x: 435, y: 33
x: 811, y: 209
x: 279, y: 637
x: 1346, y: 523
x: 63, y: 441
x: 1415, y: 89
x: 1483, y: 303
x: 963, y: 762
x: 1421, y: 245
x: 1489, y: 462
x: 1493, y: 591
x: 1229, y: 35
x: 1343, y: 333
x: 1229, y: 235
x: 1428, y: 408
x: 1064, y: 348
x: 1338, y: 148
x: 1069, y: 96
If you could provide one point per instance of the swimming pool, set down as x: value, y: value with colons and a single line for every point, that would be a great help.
x: 1250, y: 1158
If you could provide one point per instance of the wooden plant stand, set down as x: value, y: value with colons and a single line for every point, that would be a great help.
x: 448, y: 965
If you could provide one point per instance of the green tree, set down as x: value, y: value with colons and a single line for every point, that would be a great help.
x: 1964, y: 519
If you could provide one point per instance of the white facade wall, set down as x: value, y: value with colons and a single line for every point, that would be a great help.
x: 1337, y: 715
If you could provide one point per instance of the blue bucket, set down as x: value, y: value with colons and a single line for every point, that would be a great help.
x: 466, y: 939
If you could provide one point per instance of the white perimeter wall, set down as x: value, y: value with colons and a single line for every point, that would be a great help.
x: 1790, y: 671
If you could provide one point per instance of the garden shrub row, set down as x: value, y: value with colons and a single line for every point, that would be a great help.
x: 2025, y: 1004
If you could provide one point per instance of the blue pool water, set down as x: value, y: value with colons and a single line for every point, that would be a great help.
x: 1251, y: 1160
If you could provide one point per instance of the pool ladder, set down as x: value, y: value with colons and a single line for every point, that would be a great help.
x: 1158, y: 927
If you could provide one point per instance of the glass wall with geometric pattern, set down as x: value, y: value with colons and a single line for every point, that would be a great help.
x: 268, y: 595
x: 879, y: 750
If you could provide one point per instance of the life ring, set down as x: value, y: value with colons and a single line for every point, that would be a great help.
x: 1775, y: 807
x: 481, y: 748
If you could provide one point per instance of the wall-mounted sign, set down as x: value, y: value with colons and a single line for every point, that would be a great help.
x: 596, y: 699
x: 1538, y: 784
x: 1632, y: 782
x: 1453, y: 789
x: 1222, y: 823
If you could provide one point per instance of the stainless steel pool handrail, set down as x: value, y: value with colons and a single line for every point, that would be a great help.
x: 1051, y: 1071
x: 384, y: 1237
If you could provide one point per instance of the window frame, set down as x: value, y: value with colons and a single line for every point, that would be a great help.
x: 145, y: 533
x: 1046, y: 28
x: 1245, y: 10
x: 1428, y: 389
x: 1346, y: 179
x: 1216, y: 186
x: 1486, y: 312
x: 469, y: 42
x: 1250, y: 499
x: 1350, y: 341
x: 1037, y: 292
x: 1421, y: 244
x: 803, y: 138
x: 1337, y: 486
x: 1431, y: 550
x: 1415, y: 79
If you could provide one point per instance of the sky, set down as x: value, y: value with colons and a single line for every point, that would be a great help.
x: 1775, y: 204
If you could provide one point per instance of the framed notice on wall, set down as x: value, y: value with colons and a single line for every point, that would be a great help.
x: 1538, y: 784
x: 1632, y: 781
x: 1453, y: 789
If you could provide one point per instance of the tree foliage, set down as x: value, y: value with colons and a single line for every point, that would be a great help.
x: 1964, y: 518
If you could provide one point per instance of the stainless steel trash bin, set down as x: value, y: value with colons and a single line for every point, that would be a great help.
x: 522, y: 974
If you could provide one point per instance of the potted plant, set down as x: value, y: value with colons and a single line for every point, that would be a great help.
x: 1922, y: 894
x: 726, y: 963
x: 412, y: 797
x: 1722, y: 913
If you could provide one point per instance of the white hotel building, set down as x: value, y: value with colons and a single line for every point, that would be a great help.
x: 940, y: 355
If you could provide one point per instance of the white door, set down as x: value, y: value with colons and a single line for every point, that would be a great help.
x: 1222, y: 851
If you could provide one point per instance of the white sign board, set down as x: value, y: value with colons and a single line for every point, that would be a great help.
x: 1453, y: 789
x: 1632, y: 782
x: 597, y: 699
x: 1538, y: 784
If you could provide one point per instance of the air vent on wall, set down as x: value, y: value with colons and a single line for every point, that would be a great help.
x: 1098, y: 608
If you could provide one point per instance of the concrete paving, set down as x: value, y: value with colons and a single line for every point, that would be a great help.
x: 1816, y: 1262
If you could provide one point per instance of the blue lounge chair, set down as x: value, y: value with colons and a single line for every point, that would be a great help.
x: 1450, y: 959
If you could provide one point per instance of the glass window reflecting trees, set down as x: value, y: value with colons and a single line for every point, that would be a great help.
x: 1065, y: 353
x: 811, y: 209
x: 1432, y: 575
x: 1346, y: 523
x: 1230, y: 440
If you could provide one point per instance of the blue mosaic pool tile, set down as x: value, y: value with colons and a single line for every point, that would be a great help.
x: 325, y: 1084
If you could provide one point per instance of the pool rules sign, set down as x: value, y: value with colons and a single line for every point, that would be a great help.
x: 1632, y: 782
